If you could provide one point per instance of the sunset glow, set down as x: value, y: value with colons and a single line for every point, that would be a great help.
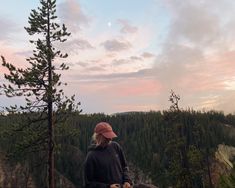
x: 128, y: 55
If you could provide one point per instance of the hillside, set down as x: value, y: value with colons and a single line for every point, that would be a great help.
x: 163, y: 148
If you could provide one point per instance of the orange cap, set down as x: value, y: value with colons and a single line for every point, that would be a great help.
x: 105, y: 129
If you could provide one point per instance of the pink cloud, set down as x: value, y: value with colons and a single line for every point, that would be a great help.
x: 127, y: 27
x: 208, y: 74
x: 135, y: 107
x: 11, y: 56
x: 225, y: 64
x: 138, y: 87
x: 116, y: 45
x: 213, y: 73
x: 73, y: 15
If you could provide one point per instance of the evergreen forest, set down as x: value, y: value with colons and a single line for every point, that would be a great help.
x: 170, y: 148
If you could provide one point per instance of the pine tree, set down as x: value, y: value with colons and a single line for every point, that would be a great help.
x: 40, y: 83
x: 174, y: 99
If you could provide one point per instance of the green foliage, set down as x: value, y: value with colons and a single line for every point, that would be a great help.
x: 172, y: 150
x: 174, y: 99
x: 227, y: 182
x: 171, y: 153
x: 39, y: 84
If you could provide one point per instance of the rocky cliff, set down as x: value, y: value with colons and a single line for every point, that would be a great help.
x: 222, y: 163
x: 18, y: 176
x: 12, y: 176
x: 225, y: 154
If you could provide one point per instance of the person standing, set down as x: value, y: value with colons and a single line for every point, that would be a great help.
x: 105, y: 164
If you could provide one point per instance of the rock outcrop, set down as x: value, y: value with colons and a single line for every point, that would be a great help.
x: 63, y: 182
x: 140, y: 179
x: 14, y: 175
x: 18, y: 176
x: 225, y: 154
x: 221, y: 164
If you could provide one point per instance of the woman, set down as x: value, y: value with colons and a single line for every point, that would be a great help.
x: 105, y: 165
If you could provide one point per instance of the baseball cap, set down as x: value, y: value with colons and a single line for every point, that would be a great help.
x: 105, y: 129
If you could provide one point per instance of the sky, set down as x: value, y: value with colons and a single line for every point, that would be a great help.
x: 127, y: 55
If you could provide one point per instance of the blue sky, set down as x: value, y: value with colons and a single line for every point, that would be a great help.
x: 128, y: 55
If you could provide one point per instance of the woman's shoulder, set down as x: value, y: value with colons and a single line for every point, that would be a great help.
x: 91, y: 151
x: 115, y: 145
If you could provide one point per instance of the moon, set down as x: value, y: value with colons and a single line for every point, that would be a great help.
x: 109, y: 24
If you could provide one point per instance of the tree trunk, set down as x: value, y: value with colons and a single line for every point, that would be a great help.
x: 51, y: 163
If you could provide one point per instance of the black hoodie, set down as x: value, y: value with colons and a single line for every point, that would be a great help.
x: 105, y: 166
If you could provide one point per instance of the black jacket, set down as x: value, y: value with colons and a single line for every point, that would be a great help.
x: 105, y: 166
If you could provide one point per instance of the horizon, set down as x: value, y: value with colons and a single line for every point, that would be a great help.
x: 122, y: 59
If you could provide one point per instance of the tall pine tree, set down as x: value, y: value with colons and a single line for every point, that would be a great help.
x: 40, y: 83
